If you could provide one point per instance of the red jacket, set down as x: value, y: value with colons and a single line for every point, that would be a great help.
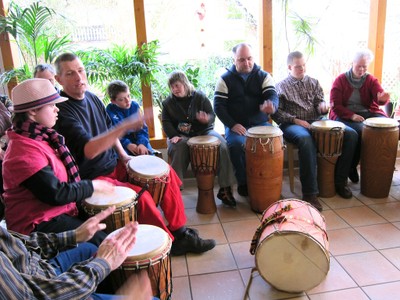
x: 342, y: 90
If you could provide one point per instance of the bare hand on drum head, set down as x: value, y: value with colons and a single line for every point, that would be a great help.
x: 137, y: 287
x: 102, y: 186
x: 115, y: 248
x: 88, y: 229
x: 357, y: 118
x: 202, y: 117
x: 267, y: 107
x: 239, y: 129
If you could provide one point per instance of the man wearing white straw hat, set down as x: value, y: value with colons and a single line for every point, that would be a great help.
x: 95, y: 145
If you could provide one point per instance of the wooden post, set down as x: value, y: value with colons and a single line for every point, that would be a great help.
x: 141, y: 38
x: 6, y: 50
x: 376, y: 38
x: 266, y: 36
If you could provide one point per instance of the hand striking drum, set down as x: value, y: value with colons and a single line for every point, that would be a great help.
x: 204, y: 158
x: 328, y: 137
x: 264, y: 166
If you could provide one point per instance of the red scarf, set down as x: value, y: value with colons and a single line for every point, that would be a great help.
x: 38, y: 132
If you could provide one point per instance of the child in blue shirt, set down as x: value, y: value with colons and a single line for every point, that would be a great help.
x: 121, y: 107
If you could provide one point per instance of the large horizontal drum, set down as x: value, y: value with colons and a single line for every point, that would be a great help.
x: 264, y: 165
x: 291, y: 246
x: 124, y: 200
x: 379, y: 141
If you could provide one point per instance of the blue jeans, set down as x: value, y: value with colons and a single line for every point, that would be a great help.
x: 65, y: 259
x: 358, y: 126
x: 304, y: 141
x: 236, y: 144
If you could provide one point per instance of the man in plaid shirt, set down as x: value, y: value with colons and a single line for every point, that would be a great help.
x: 31, y: 267
x: 301, y: 102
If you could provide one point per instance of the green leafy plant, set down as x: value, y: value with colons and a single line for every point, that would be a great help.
x: 31, y: 31
x: 131, y: 65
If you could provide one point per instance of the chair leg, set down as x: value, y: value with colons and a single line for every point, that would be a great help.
x: 290, y: 158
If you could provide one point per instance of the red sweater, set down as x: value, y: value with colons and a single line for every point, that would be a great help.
x: 24, y: 157
x: 342, y: 90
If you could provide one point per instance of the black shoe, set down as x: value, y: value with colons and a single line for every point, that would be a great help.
x: 242, y: 190
x: 343, y: 191
x: 191, y: 242
x: 225, y: 195
x: 353, y: 175
x: 313, y: 200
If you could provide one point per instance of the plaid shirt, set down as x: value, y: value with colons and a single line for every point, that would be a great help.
x: 26, y: 274
x: 298, y: 99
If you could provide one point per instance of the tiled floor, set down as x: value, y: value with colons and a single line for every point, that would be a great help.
x: 364, y: 249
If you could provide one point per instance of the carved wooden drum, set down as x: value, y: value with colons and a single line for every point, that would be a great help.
x: 264, y: 165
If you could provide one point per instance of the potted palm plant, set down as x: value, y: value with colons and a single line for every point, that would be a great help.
x: 29, y: 27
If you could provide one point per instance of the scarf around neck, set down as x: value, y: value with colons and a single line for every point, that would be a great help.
x: 38, y: 132
x: 355, y: 83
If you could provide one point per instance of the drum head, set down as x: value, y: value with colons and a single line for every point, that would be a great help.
x: 327, y: 125
x: 381, y: 122
x: 203, y: 140
x: 151, y: 241
x: 264, y: 131
x: 120, y: 196
x: 148, y: 166
x: 292, y: 261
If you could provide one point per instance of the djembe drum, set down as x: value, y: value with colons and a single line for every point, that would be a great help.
x: 264, y: 165
x: 204, y: 158
x: 291, y: 246
x: 328, y: 137
x: 379, y: 141
x: 124, y: 200
x: 150, y: 253
x: 151, y: 172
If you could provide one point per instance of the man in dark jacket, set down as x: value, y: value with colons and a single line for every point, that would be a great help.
x: 244, y: 97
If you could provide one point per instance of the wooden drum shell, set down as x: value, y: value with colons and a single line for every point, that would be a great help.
x: 379, y: 143
x: 264, y: 166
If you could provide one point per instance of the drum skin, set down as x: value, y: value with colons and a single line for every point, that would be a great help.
x: 264, y: 166
x: 328, y: 138
x: 151, y: 253
x: 204, y: 158
x: 292, y: 251
x: 379, y: 143
x: 150, y: 171
x: 124, y: 200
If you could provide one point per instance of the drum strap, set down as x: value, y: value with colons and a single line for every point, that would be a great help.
x: 274, y: 217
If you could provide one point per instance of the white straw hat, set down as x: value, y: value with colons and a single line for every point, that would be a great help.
x: 34, y: 93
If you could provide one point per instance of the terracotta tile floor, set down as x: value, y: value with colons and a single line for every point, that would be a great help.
x: 364, y: 249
